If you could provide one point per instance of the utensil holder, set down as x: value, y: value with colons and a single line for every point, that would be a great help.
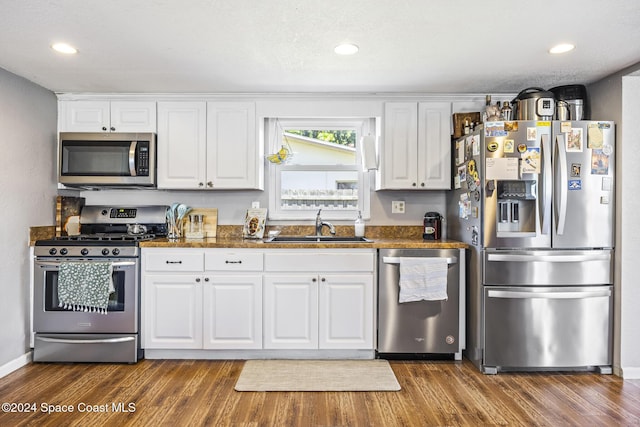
x: 174, y: 229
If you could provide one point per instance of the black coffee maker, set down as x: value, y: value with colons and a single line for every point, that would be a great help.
x: 432, y: 226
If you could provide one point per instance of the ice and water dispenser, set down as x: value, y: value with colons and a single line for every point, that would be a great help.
x: 516, y: 210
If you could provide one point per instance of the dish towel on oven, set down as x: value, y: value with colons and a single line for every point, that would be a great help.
x: 85, y: 286
x: 423, y: 279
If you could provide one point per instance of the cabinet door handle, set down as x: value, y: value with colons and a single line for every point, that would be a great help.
x: 200, y: 184
x: 210, y: 184
x: 112, y: 129
x: 233, y: 262
x: 104, y: 128
x: 198, y: 279
x: 174, y: 262
x: 413, y: 184
x: 422, y: 184
x: 206, y: 279
x: 314, y: 280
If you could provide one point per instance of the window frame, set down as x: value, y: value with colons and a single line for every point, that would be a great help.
x: 274, y: 131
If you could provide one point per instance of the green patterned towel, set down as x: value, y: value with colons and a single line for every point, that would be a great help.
x: 85, y: 286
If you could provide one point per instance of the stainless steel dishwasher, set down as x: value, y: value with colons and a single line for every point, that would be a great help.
x: 423, y: 327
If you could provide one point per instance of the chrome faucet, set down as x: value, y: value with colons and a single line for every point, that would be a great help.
x: 320, y: 224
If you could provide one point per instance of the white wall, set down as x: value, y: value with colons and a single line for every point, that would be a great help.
x: 618, y: 98
x: 27, y: 197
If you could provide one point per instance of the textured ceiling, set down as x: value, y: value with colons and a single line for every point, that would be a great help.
x: 208, y: 46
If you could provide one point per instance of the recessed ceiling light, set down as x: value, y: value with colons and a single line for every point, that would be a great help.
x: 64, y: 48
x: 346, y: 49
x: 562, y: 48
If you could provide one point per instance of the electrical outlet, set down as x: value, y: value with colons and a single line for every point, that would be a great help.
x: 397, y: 206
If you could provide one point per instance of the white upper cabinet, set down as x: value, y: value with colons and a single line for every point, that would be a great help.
x: 233, y: 158
x: 107, y: 116
x: 416, y: 148
x: 208, y: 146
x: 182, y: 145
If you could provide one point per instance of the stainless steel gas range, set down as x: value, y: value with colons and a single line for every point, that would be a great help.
x: 86, y: 296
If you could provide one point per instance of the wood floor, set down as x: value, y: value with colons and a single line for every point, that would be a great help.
x: 200, y: 393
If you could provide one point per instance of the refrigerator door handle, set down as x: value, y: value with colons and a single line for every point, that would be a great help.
x: 546, y: 196
x: 561, y: 186
x: 549, y: 295
x: 605, y: 256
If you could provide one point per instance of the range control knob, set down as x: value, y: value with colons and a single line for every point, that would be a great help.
x: 64, y: 251
x: 84, y: 251
x: 116, y: 251
x: 53, y: 251
x: 105, y: 252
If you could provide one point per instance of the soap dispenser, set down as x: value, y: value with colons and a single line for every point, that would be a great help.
x: 359, y: 226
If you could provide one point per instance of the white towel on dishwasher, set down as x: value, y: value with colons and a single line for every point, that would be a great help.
x: 423, y: 279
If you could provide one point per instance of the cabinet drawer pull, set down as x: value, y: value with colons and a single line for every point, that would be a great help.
x: 174, y: 262
x: 233, y: 262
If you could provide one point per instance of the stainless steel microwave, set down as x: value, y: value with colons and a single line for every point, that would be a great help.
x: 107, y: 159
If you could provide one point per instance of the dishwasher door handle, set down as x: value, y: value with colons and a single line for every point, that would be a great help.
x: 396, y: 260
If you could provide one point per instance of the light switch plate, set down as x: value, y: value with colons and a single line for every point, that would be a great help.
x: 397, y: 206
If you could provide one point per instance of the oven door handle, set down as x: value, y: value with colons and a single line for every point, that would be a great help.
x: 81, y: 341
x: 57, y: 264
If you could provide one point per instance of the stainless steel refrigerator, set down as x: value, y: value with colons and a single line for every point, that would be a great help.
x: 535, y: 202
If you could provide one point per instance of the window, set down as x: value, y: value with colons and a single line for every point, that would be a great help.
x: 322, y: 168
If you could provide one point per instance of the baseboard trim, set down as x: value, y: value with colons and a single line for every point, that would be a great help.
x: 15, y: 364
x: 630, y: 373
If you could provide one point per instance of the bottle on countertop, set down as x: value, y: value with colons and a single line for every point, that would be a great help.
x: 359, y: 226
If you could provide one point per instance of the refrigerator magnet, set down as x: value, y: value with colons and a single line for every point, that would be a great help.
x: 494, y: 129
x: 531, y: 161
x: 575, y: 184
x: 599, y: 163
x: 574, y: 140
x: 475, y: 144
x: 508, y: 145
x: 594, y: 136
x: 462, y: 172
x: 532, y: 134
x: 576, y: 169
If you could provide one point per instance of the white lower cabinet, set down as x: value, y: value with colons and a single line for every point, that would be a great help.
x: 173, y: 311
x: 346, y: 311
x: 205, y: 309
x: 233, y: 311
x: 308, y: 309
x: 318, y: 311
x: 291, y: 311
x: 280, y: 299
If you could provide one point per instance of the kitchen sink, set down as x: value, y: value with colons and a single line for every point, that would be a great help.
x: 317, y: 239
